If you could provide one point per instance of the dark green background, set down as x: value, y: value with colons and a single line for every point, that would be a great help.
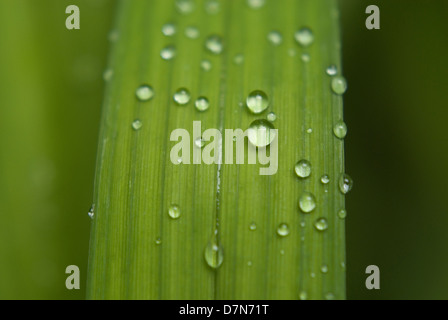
x: 396, y: 110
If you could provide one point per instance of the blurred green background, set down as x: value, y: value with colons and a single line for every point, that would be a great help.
x: 396, y: 108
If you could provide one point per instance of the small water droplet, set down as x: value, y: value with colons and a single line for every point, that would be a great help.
x: 324, y: 268
x: 238, y: 59
x: 214, y: 254
x: 249, y: 263
x: 137, y: 124
x: 199, y: 142
x: 168, y: 52
x: 275, y: 38
x: 303, y: 295
x: 342, y: 214
x: 332, y: 70
x: 303, y: 169
x: 343, y: 265
x: 325, y: 179
x: 202, y: 104
x: 214, y: 44
x: 329, y: 296
x: 309, y: 130
x: 283, y: 230
x: 257, y: 101
x: 282, y: 252
x: 91, y: 212
x: 212, y: 6
x: 307, y: 202
x: 206, y: 65
x: 345, y: 183
x: 313, y: 275
x: 182, y: 96
x: 292, y: 52
x: 321, y: 224
x: 303, y: 224
x: 304, y: 37
x: 306, y: 57
x: 339, y: 85
x: 271, y: 117
x: 144, y: 93
x: 158, y: 241
x: 169, y: 29
x: 252, y: 226
x: 108, y: 74
x: 113, y: 36
x: 192, y: 32
x: 340, y: 130
x: 260, y: 133
x: 174, y: 211
x: 185, y: 6
x: 256, y: 4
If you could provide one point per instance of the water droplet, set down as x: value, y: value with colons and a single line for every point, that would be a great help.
x: 91, y: 212
x: 113, y: 36
x: 252, y: 226
x: 329, y: 296
x: 324, y: 268
x: 168, y: 52
x: 214, y: 44
x: 202, y: 104
x: 169, y: 29
x: 340, y: 130
x: 249, y: 263
x: 275, y: 38
x: 185, y: 6
x: 137, y: 124
x: 271, y: 117
x: 345, y: 183
x: 174, y: 211
x: 283, y: 230
x: 260, y: 133
x: 158, y: 241
x: 307, y: 202
x: 144, y: 93
x: 339, y: 85
x: 206, y: 65
x: 342, y: 214
x: 332, y: 70
x: 212, y: 6
x: 303, y: 224
x: 256, y: 4
x: 303, y: 295
x: 282, y: 252
x: 182, y: 96
x: 238, y: 59
x: 321, y: 224
x: 306, y: 57
x: 108, y: 74
x: 303, y: 168
x: 192, y: 32
x: 292, y: 52
x: 343, y: 265
x: 325, y: 179
x: 257, y: 101
x: 304, y: 37
x: 313, y: 275
x: 214, y: 254
x: 309, y: 130
x: 199, y: 142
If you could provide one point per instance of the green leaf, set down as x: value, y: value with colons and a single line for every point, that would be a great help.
x: 136, y: 182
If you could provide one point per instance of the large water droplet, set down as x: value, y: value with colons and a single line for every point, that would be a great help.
x: 192, y: 32
x: 339, y: 85
x: 169, y: 29
x: 185, y: 6
x: 168, y: 52
x: 260, y: 133
x: 214, y: 44
x: 340, y: 130
x: 202, y: 104
x: 332, y: 70
x: 321, y: 224
x: 174, y: 211
x: 91, y: 212
x: 214, y: 254
x: 256, y: 4
x: 342, y: 214
x: 144, y: 92
x: 283, y: 230
x: 303, y: 168
x: 275, y: 38
x: 307, y: 202
x: 182, y: 96
x: 345, y: 183
x: 137, y: 124
x: 304, y: 37
x: 257, y: 101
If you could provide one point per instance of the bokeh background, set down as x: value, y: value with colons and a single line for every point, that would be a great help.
x: 396, y: 109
